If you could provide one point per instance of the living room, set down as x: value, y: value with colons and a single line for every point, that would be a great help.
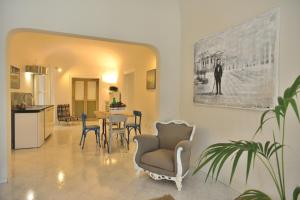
x: 172, y: 27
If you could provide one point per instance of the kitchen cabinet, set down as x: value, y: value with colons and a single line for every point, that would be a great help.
x: 30, y: 127
x: 49, y: 121
x: 29, y: 130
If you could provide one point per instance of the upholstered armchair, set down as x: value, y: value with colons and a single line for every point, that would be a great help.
x: 165, y: 155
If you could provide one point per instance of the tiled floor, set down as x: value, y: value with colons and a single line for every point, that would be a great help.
x: 61, y: 170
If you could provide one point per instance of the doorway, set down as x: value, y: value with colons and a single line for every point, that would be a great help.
x: 129, y: 90
x: 85, y: 96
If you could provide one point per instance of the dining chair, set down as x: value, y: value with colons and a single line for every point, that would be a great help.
x: 134, y: 126
x: 119, y: 130
x: 86, y: 129
x: 63, y: 114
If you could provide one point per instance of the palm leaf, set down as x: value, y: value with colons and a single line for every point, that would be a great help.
x: 253, y: 195
x: 216, y: 155
x: 288, y: 93
x: 278, y: 113
x: 235, y: 162
x: 280, y: 100
x: 251, y: 151
x: 295, y: 108
x: 296, y: 193
x: 263, y: 120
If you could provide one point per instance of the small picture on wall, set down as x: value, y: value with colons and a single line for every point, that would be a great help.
x: 151, y: 79
x: 14, y: 77
x: 238, y: 67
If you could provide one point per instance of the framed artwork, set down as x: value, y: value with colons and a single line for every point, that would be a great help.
x: 238, y: 67
x: 151, y: 79
x: 14, y: 77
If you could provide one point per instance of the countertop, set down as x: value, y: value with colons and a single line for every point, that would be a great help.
x: 31, y: 109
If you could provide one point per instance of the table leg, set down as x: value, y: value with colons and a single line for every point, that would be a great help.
x: 104, y: 132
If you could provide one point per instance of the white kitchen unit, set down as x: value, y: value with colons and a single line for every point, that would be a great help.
x: 49, y: 121
x: 29, y: 129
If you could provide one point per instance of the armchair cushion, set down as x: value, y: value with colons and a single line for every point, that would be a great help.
x: 170, y: 134
x: 146, y: 143
x: 161, y: 158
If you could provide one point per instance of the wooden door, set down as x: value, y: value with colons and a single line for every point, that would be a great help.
x: 85, y: 96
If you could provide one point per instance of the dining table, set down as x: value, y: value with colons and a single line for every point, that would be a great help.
x: 104, y: 116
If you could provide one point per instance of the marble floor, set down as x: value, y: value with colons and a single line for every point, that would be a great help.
x: 61, y: 170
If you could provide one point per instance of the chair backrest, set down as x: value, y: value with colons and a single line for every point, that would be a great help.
x: 137, y: 117
x: 63, y: 110
x: 117, y: 118
x: 83, y: 119
x: 171, y: 133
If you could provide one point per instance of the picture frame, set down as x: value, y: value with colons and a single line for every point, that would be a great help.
x: 151, y: 79
x: 14, y: 77
x: 238, y: 67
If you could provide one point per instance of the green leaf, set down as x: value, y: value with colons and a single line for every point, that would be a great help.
x: 275, y: 150
x: 295, y: 108
x: 288, y: 93
x: 262, y: 120
x: 253, y: 195
x: 269, y: 149
x: 202, y: 164
x: 277, y: 112
x: 296, y: 193
x: 235, y: 162
x: 223, y: 161
x: 280, y: 100
x: 296, y: 85
x: 249, y: 160
x: 216, y: 155
x: 266, y: 147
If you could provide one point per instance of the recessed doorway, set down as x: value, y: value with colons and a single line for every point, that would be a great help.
x: 85, y: 96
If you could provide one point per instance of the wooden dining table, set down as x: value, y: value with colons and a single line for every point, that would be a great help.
x: 104, y: 115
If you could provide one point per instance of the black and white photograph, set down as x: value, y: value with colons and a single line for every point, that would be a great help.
x: 238, y: 67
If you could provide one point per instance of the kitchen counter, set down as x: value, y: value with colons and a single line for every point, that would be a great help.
x: 31, y: 109
x: 30, y: 127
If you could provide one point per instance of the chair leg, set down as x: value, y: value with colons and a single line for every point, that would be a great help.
x: 81, y: 137
x: 140, y: 130
x: 178, y: 183
x: 83, y: 141
x: 105, y: 143
x: 135, y: 131
x: 128, y: 137
x: 99, y: 139
x: 109, y: 143
x: 96, y: 135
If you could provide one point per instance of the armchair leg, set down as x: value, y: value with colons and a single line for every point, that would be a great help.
x: 138, y: 171
x: 178, y: 182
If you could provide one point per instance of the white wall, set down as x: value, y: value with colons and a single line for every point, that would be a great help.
x: 151, y: 22
x: 201, y: 18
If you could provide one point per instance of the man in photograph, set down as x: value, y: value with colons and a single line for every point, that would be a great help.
x: 218, y: 76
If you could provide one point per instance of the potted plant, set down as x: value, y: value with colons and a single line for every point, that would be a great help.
x: 270, y: 154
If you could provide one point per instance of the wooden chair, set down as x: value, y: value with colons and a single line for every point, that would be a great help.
x: 63, y: 114
x: 86, y: 129
x: 120, y: 130
x: 136, y: 126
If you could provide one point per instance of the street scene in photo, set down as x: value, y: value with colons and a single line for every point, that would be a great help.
x: 237, y: 67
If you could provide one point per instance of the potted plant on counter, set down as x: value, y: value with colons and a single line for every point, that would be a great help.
x: 270, y: 154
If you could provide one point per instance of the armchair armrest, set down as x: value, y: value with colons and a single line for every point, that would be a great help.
x: 145, y: 143
x: 182, y: 157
